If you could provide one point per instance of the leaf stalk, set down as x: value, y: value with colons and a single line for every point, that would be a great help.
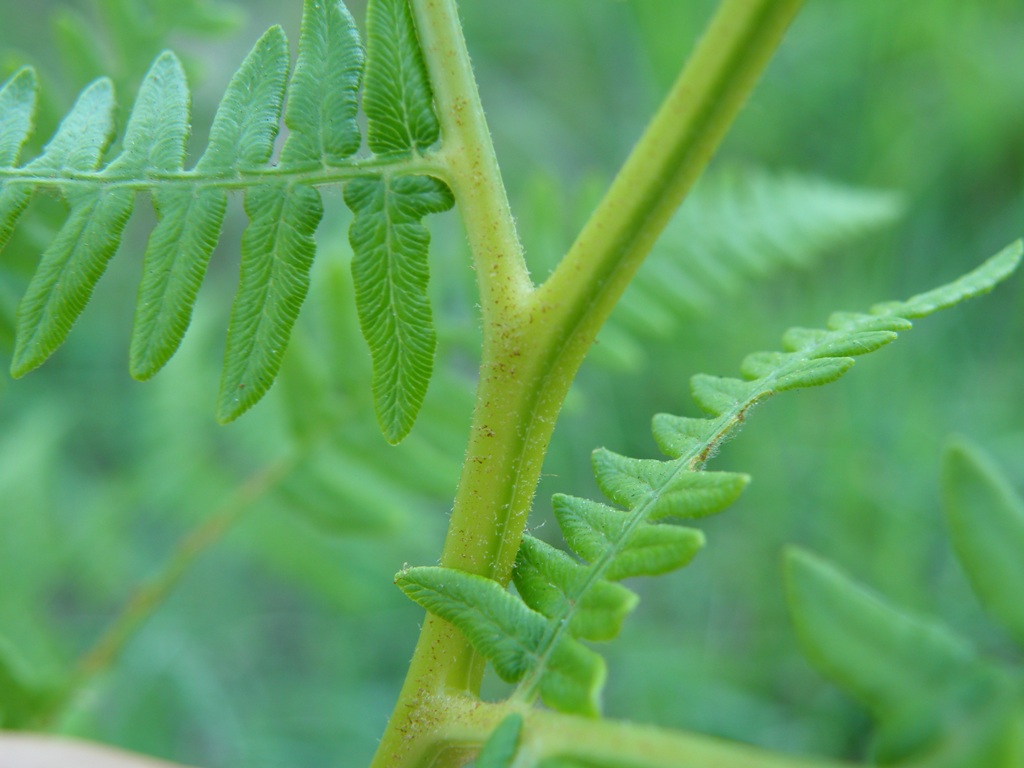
x: 535, y: 339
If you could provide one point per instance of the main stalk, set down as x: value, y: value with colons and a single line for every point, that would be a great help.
x: 535, y: 338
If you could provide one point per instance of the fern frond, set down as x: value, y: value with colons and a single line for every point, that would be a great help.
x: 561, y: 600
x: 743, y: 224
x: 189, y: 219
x: 985, y: 518
x: 508, y: 633
x: 390, y: 274
x: 939, y: 704
x: 390, y: 192
x: 738, y: 228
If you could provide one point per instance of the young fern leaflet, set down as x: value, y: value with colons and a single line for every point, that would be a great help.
x: 390, y: 189
x: 534, y: 639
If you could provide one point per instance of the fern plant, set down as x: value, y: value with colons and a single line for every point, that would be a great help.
x: 387, y: 192
x: 427, y: 148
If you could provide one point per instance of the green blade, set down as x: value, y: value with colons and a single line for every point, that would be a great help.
x: 552, y: 583
x: 67, y: 274
x: 398, y: 100
x: 985, y: 517
x: 890, y: 661
x: 246, y: 124
x: 82, y: 135
x: 390, y: 271
x: 324, y: 90
x: 18, y: 98
x: 277, y: 254
x: 189, y: 220
x: 508, y: 634
x: 159, y: 123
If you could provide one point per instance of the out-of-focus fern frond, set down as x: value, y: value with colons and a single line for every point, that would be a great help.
x: 739, y: 227
x: 938, y: 703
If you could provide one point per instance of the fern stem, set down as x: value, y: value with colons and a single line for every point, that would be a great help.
x: 150, y: 596
x: 664, y: 164
x: 468, y: 153
x: 548, y: 734
x: 535, y: 340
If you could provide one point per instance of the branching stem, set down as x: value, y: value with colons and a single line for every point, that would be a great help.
x: 535, y: 339
x: 468, y: 153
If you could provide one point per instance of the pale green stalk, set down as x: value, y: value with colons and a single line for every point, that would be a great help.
x: 547, y: 734
x: 311, y: 174
x: 535, y: 339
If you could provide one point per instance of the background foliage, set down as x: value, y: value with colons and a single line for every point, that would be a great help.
x: 289, y: 639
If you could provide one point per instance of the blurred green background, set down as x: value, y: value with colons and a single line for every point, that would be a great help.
x: 286, y: 644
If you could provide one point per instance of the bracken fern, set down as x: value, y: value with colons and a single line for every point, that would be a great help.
x: 533, y: 639
x: 534, y: 339
x: 390, y: 189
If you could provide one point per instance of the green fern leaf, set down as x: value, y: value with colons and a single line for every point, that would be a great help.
x: 277, y: 254
x: 76, y: 146
x: 51, y: 304
x: 813, y: 373
x: 323, y: 97
x: 243, y: 132
x: 177, y: 254
x: 620, y: 544
x: 508, y: 633
x: 390, y: 196
x: 737, y: 227
x: 717, y: 395
x: 68, y: 272
x: 851, y: 346
x: 548, y: 580
x: 390, y: 273
x: 668, y: 492
x: 82, y: 135
x: 190, y: 217
x: 389, y: 243
x: 598, y: 532
x: 18, y: 98
x: 985, y: 517
x: 154, y: 140
x: 975, y: 283
x: 677, y: 436
x: 398, y: 101
x: 61, y: 287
